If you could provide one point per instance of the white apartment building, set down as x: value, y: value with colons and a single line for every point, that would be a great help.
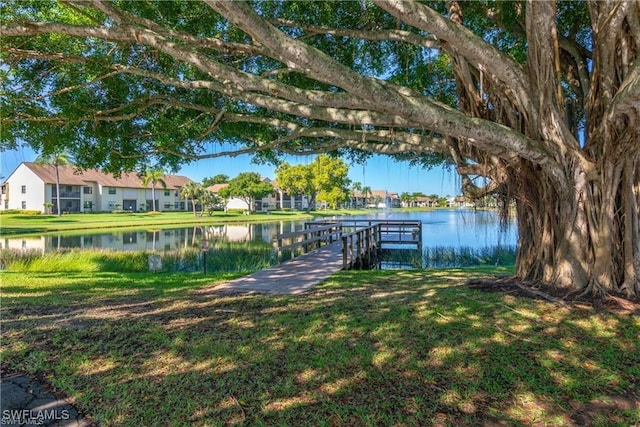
x: 278, y: 200
x: 33, y: 185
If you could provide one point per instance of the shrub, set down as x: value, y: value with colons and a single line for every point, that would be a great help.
x: 8, y: 257
x: 30, y: 212
x: 236, y: 211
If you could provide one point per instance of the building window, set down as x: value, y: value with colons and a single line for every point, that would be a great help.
x: 112, y: 190
x: 167, y: 193
x: 87, y: 190
x: 24, y: 189
x: 6, y: 204
x: 167, y: 205
x: 24, y: 205
x: 4, y: 189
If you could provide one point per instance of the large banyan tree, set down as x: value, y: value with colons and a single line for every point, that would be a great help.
x: 537, y: 102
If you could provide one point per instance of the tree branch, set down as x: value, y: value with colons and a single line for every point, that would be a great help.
x: 414, y: 39
x: 627, y: 99
x: 71, y: 88
x: 389, y: 98
x: 96, y: 116
x: 473, y: 48
x: 230, y: 81
x: 582, y: 71
x: 342, y: 110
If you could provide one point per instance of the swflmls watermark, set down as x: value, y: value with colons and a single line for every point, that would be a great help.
x: 31, y: 417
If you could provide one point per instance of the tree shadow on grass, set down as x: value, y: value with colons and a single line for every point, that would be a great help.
x: 362, y: 349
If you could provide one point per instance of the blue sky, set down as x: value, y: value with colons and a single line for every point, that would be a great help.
x: 379, y: 172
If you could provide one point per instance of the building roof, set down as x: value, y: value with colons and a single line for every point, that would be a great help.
x: 215, y: 188
x: 69, y: 175
x: 423, y: 199
x: 377, y: 193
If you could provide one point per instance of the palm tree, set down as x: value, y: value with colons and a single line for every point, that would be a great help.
x: 207, y: 200
x: 56, y: 159
x: 193, y: 191
x: 366, y: 192
x: 153, y: 177
x: 356, y: 186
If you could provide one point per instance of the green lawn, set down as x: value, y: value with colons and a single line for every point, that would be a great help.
x: 22, y: 224
x: 18, y: 224
x: 364, y: 348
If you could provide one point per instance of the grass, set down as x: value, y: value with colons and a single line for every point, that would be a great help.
x: 465, y: 256
x: 234, y: 257
x: 363, y: 348
x: 23, y: 224
x: 221, y: 257
x: 449, y: 257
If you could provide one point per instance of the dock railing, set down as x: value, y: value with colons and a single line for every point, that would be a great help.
x: 308, y: 239
x: 360, y: 246
x: 361, y: 239
x: 395, y: 232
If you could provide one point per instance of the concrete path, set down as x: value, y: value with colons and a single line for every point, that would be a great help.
x: 25, y: 401
x: 290, y: 277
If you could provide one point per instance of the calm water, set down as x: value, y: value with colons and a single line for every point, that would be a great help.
x: 459, y: 228
x: 451, y: 228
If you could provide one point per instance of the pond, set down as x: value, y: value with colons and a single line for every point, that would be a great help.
x: 153, y: 240
x: 454, y: 238
x: 450, y: 238
x: 458, y: 227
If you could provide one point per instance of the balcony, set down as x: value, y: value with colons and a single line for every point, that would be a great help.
x: 67, y: 194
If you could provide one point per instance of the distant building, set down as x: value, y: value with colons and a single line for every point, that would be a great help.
x: 422, y: 202
x: 278, y: 200
x: 458, y: 202
x: 376, y: 199
x: 33, y: 185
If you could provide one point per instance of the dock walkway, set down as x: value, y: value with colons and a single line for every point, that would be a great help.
x: 291, y: 277
x: 327, y: 247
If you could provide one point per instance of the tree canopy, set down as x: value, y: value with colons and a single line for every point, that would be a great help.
x: 247, y: 186
x: 324, y: 179
x: 330, y: 180
x: 535, y: 101
x: 297, y: 180
x: 217, y: 179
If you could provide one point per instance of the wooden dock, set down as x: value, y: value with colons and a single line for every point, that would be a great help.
x: 324, y: 248
x: 391, y: 233
x: 291, y: 277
